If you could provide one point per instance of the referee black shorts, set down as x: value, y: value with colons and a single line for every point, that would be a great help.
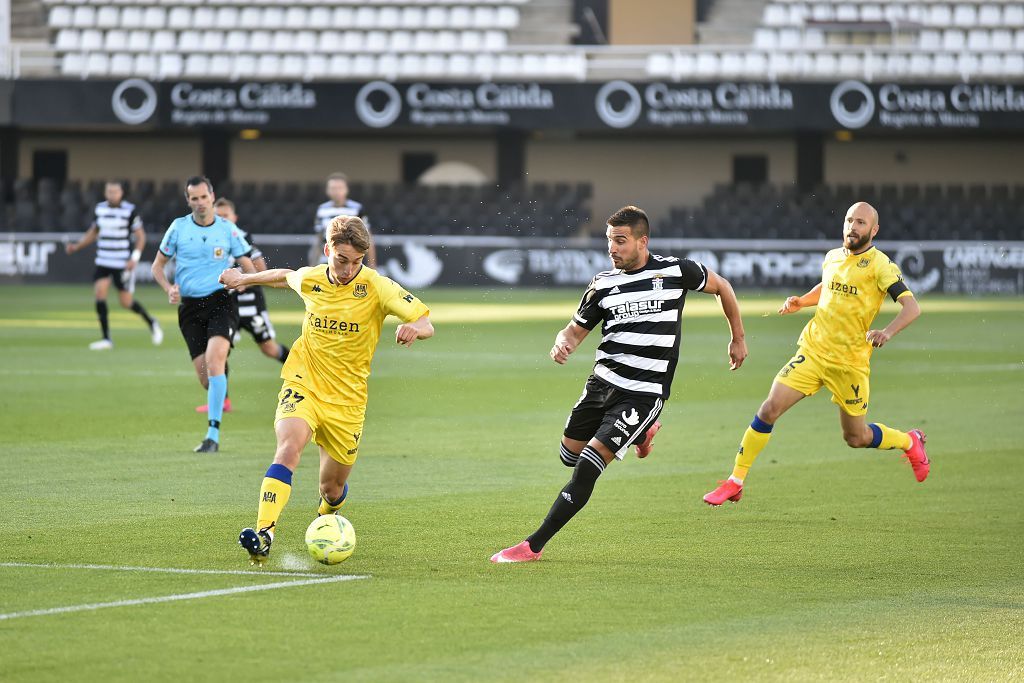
x: 202, y: 318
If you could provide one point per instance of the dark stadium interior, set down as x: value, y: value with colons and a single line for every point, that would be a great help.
x: 732, y: 211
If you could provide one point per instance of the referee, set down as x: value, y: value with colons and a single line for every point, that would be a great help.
x: 203, y: 244
x: 115, y: 222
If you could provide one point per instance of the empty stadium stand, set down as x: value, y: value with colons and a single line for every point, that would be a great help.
x: 537, y: 210
x: 507, y: 39
x: 906, y: 212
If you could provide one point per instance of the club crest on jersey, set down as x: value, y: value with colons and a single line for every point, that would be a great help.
x: 657, y: 283
x: 218, y: 252
x: 864, y: 263
x: 359, y: 291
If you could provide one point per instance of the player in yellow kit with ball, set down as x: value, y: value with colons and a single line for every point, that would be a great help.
x: 323, y: 397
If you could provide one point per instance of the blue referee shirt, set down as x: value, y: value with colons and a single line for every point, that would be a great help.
x: 202, y: 253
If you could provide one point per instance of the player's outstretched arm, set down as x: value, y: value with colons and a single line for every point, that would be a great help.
x: 909, y: 312
x: 232, y: 278
x: 407, y: 333
x: 795, y: 303
x: 567, y: 341
x: 722, y: 289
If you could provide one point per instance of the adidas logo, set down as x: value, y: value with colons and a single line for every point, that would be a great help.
x: 615, y: 290
x: 316, y: 288
x: 567, y: 497
x: 617, y: 440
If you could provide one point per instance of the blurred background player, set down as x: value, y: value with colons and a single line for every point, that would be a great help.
x: 639, y: 304
x: 253, y: 316
x: 115, y: 223
x: 324, y: 394
x: 835, y: 351
x: 338, y: 204
x: 203, y: 244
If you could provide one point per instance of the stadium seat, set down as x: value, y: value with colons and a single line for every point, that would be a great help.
x: 401, y: 41
x: 108, y: 17
x: 154, y: 18
x: 61, y: 16
x: 412, y: 18
x: 244, y: 66
x: 495, y: 40
x: 342, y: 18
x: 271, y: 18
x: 483, y: 17
x: 507, y: 17
x: 459, y: 66
x: 67, y: 40
x: 775, y: 15
x: 436, y: 17
x: 72, y: 64
x: 146, y: 65
x: 197, y: 65
x: 388, y: 17
x: 470, y: 41
x: 978, y: 39
x: 228, y: 18
x: 97, y: 64
x: 317, y: 66
x: 282, y: 41
x: 179, y: 18
x: 268, y: 66
x: 84, y: 17
x: 190, y: 41
x: 319, y: 17
x: 296, y: 18
x: 164, y: 41
x: 365, y: 18
x: 965, y: 15
x: 990, y: 14
x: 170, y: 65
x: 292, y: 66
x: 91, y: 39
x: 376, y: 41
x: 219, y: 66
x: 250, y: 18
x: 115, y: 40
x: 362, y: 65
x: 1013, y: 15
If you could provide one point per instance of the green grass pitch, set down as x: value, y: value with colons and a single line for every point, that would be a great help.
x: 837, y: 564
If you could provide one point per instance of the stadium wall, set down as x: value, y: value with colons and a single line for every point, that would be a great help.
x: 949, y: 161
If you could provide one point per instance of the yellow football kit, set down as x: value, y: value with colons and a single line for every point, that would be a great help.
x: 834, y: 351
x: 327, y: 368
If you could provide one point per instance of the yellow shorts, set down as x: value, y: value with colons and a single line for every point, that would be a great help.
x: 336, y: 428
x: 849, y: 385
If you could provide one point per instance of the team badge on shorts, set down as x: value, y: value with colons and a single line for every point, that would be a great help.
x: 360, y: 291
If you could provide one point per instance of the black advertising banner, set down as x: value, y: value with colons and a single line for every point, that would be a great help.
x: 971, y: 268
x: 612, y: 106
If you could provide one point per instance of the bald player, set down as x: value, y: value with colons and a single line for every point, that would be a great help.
x: 835, y: 351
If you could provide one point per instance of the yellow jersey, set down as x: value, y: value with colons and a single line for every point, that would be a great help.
x: 332, y: 356
x: 852, y: 289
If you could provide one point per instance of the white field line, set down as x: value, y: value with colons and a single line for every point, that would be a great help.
x: 174, y: 598
x: 162, y: 570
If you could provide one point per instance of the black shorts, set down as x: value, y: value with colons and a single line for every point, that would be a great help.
x: 253, y: 316
x: 199, y: 319
x: 616, y: 418
x: 123, y: 279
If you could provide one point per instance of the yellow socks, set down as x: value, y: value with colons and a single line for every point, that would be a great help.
x: 754, y: 440
x: 327, y: 508
x: 887, y: 438
x: 274, y: 493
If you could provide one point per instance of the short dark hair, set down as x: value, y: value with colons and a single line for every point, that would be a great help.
x: 634, y: 217
x: 224, y: 201
x: 119, y: 183
x: 337, y: 175
x: 198, y: 180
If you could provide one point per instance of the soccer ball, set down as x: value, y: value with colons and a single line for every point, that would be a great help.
x: 330, y: 539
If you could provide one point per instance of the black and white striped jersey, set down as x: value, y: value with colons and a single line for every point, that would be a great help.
x: 641, y: 313
x: 115, y: 224
x: 328, y: 211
